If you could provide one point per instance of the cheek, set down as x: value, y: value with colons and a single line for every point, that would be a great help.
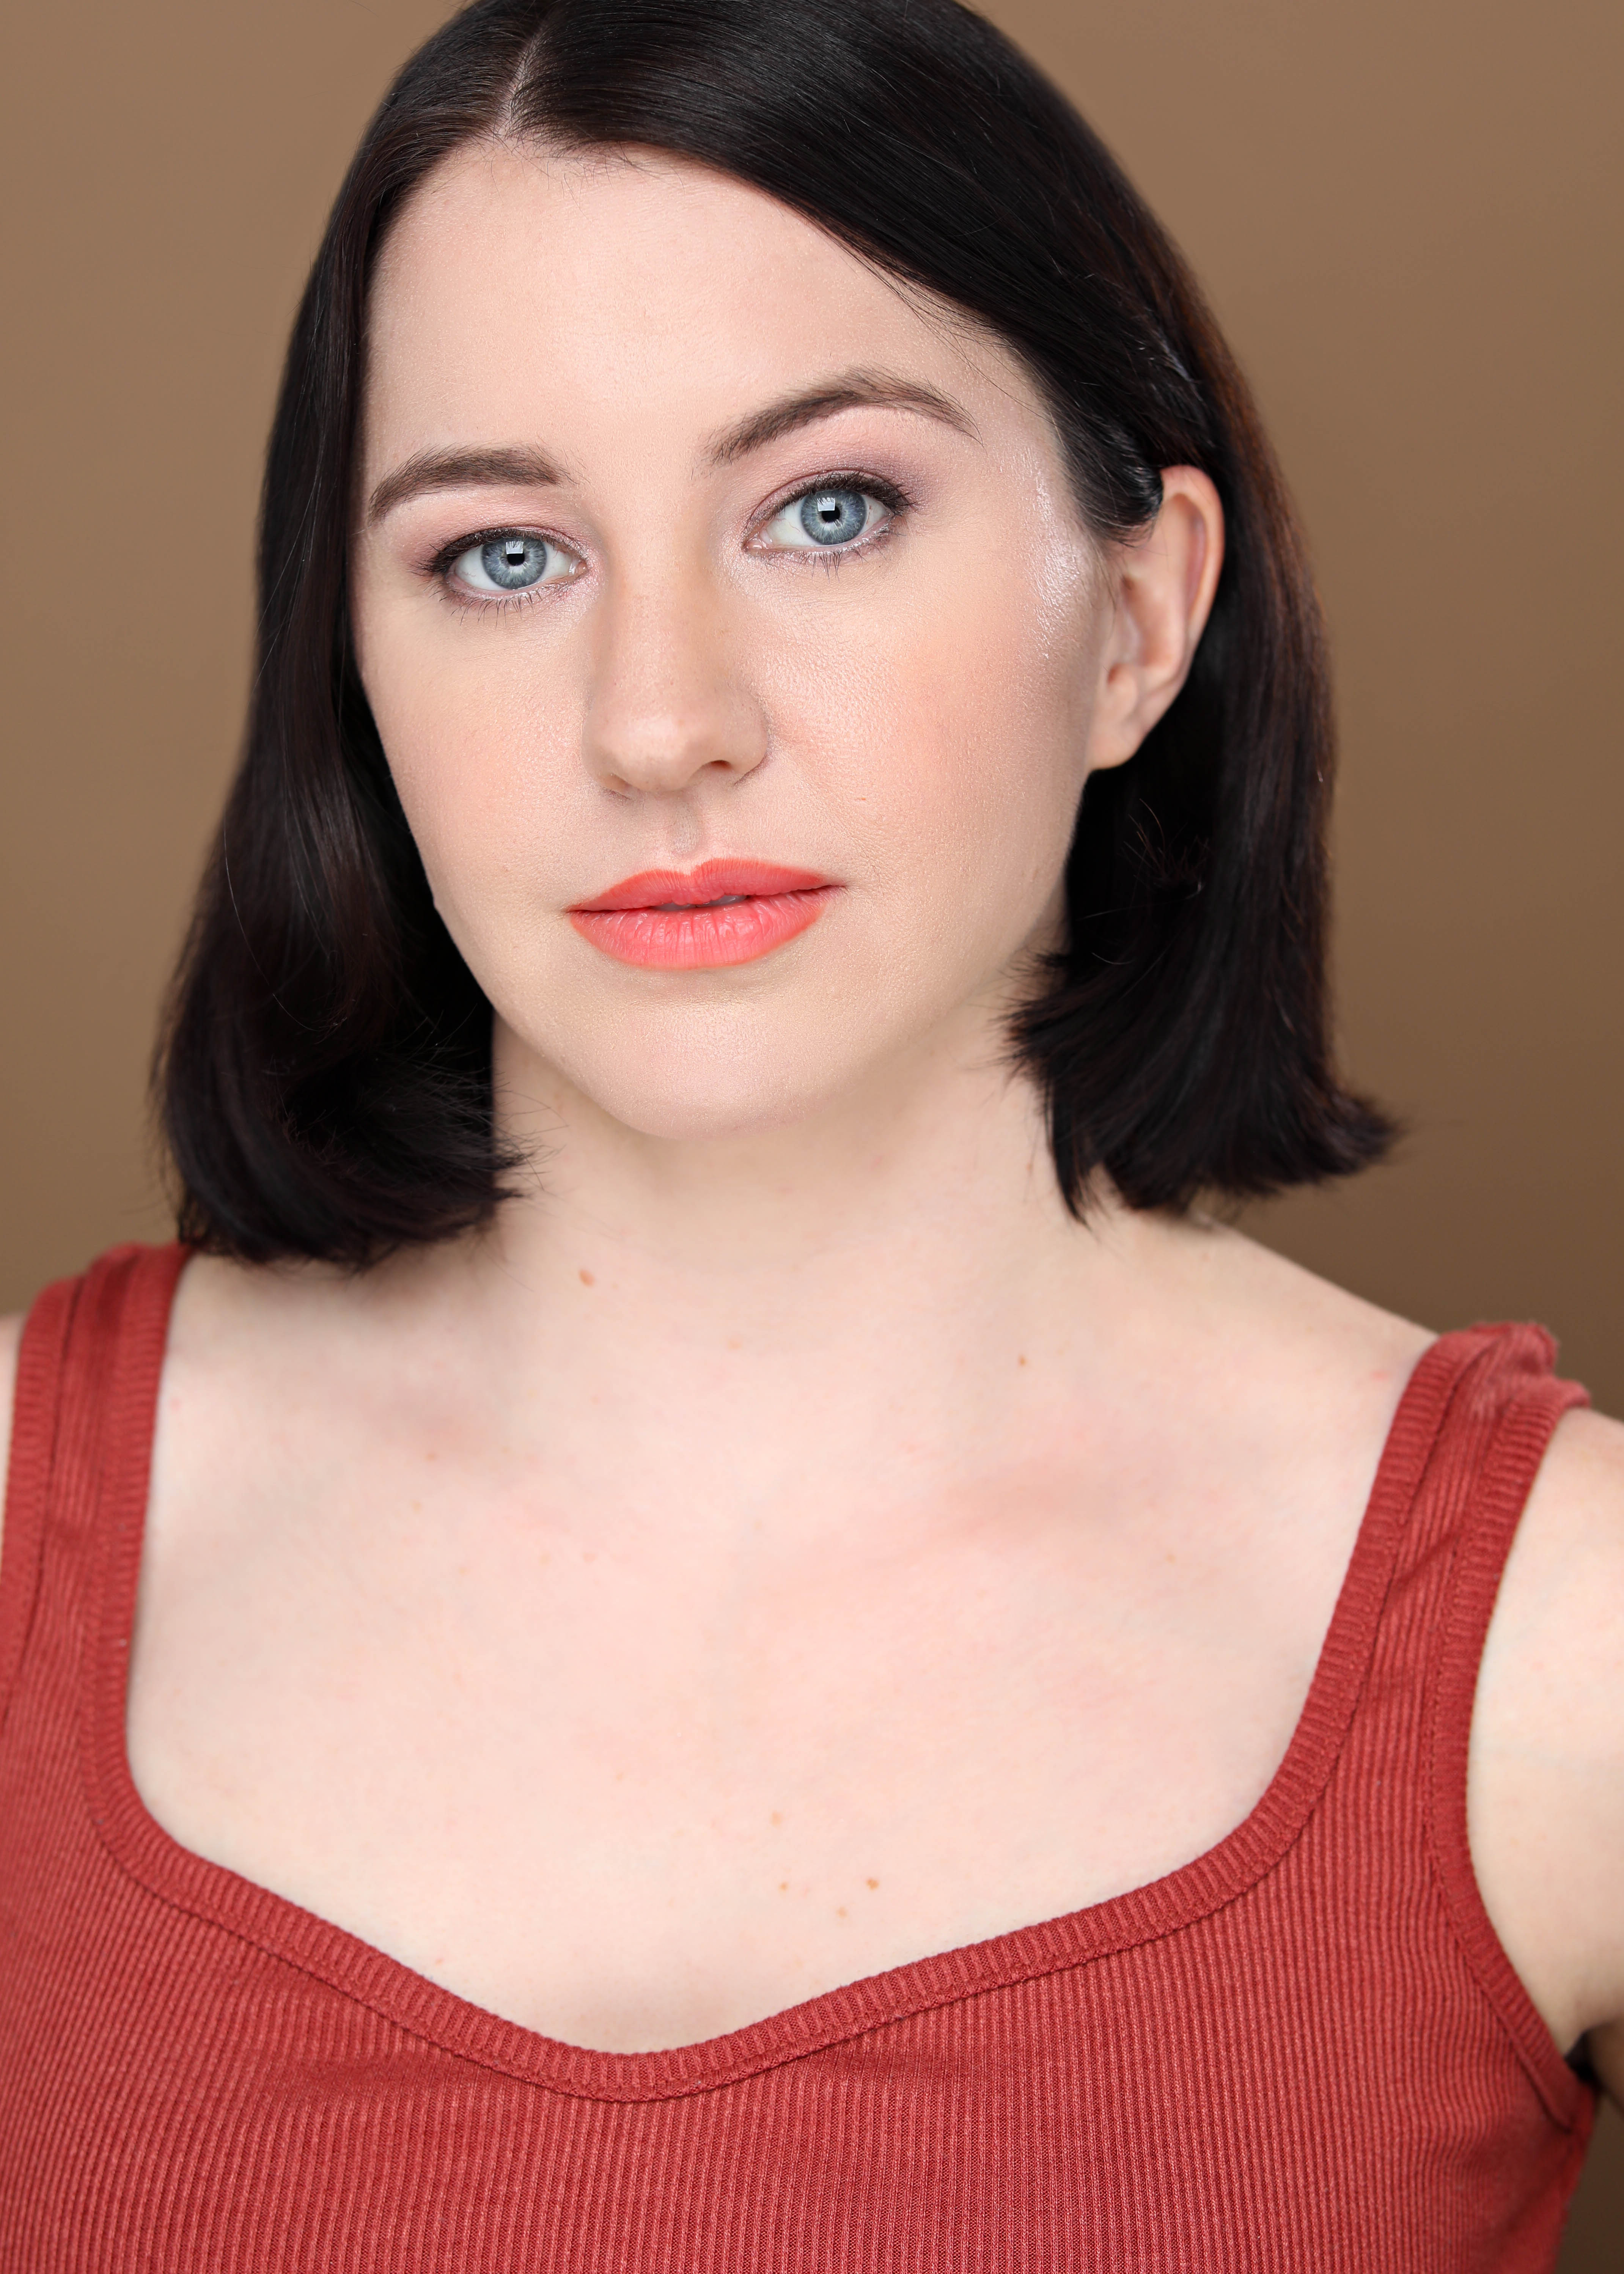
x: 477, y: 755
x: 953, y: 728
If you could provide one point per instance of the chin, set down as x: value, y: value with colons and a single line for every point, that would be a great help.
x: 698, y: 1115
x: 692, y: 1089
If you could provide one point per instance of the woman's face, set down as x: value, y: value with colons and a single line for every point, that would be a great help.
x: 693, y: 550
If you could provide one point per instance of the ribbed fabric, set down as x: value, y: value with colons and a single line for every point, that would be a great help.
x: 1304, y: 2052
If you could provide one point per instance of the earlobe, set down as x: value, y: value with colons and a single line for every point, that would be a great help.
x: 1165, y: 580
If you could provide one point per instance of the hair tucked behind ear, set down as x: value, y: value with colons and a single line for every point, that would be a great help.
x: 326, y: 1076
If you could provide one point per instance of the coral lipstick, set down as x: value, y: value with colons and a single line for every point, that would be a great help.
x: 724, y: 912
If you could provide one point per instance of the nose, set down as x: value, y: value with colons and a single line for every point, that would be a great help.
x: 667, y: 707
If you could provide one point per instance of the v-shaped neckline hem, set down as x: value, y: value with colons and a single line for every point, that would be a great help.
x: 357, y: 1969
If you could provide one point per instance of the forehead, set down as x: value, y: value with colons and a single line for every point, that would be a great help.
x: 521, y: 282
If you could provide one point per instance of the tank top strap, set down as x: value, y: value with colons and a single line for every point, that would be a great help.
x: 1469, y: 1439
x: 1461, y: 1460
x: 88, y: 1371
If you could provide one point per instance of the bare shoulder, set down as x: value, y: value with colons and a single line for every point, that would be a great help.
x: 215, y: 1297
x: 1547, y: 1789
x: 230, y: 1315
x: 236, y: 1333
x: 1553, y: 1668
x: 11, y: 1339
x: 1300, y: 1333
x: 1572, y: 1532
x: 274, y: 1357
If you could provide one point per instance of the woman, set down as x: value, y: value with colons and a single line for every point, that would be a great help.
x: 715, y: 1626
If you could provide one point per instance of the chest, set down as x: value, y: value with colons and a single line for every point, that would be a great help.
x: 635, y: 1784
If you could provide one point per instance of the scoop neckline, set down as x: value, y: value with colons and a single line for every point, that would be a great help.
x: 369, y: 1977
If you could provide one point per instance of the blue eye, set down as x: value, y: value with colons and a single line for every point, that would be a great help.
x: 833, y: 517
x: 826, y: 518
x: 512, y: 560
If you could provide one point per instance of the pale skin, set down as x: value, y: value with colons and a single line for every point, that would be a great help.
x: 787, y: 1543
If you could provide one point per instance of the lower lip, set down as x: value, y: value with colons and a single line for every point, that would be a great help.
x: 706, y: 938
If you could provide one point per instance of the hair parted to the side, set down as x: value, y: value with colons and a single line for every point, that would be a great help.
x: 326, y: 1075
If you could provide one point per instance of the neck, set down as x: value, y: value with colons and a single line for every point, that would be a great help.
x: 796, y: 1320
x: 947, y: 1148
x: 920, y: 1212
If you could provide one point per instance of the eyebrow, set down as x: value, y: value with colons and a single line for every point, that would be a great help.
x: 523, y: 467
x: 852, y: 390
x: 517, y: 467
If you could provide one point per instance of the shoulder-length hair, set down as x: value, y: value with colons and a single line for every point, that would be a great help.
x: 326, y: 1072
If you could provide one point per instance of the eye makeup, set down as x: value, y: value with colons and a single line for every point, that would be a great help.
x: 868, y: 506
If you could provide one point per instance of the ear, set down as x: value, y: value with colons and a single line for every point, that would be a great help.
x: 1163, y: 583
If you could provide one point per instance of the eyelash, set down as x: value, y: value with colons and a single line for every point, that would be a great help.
x: 445, y: 560
x: 895, y: 500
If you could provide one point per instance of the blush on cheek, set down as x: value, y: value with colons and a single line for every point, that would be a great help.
x: 478, y: 784
x: 978, y: 762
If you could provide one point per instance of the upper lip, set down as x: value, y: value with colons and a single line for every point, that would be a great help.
x: 712, y: 880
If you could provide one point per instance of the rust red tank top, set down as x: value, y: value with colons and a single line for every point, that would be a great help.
x: 1304, y: 2051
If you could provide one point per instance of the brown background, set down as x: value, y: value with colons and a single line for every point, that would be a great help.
x: 1400, y: 210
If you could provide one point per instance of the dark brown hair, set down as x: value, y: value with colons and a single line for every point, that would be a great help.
x: 326, y: 1076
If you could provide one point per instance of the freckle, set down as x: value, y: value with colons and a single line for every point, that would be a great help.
x: 418, y: 1504
x: 874, y: 1883
x: 777, y: 1817
x: 589, y: 1556
x: 841, y: 1912
x: 735, y: 1342
x: 431, y: 1457
x: 1020, y: 1362
x: 784, y: 1886
x: 587, y: 1279
x: 547, y: 1559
